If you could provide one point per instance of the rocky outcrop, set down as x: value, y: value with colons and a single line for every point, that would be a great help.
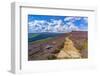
x: 68, y: 51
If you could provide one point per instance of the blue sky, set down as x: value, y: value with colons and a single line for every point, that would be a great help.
x: 59, y: 24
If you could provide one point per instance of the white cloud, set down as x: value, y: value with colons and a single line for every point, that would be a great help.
x: 72, y: 18
x: 68, y: 18
x: 72, y: 27
x: 77, y: 18
x: 55, y: 25
x: 39, y: 25
x: 85, y: 19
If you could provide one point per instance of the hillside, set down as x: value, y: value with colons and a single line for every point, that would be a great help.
x: 80, y: 40
x: 66, y: 46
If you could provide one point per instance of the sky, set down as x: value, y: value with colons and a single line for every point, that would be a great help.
x: 56, y: 24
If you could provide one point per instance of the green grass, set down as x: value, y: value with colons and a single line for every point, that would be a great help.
x: 42, y: 40
x: 34, y: 35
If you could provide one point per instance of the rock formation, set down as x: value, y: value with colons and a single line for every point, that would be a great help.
x: 68, y: 51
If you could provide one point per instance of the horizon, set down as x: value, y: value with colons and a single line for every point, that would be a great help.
x: 60, y: 32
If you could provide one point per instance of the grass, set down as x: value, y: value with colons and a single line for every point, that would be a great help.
x: 84, y: 45
x: 42, y: 40
x: 34, y: 35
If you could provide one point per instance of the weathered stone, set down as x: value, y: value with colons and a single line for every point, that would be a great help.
x: 69, y: 51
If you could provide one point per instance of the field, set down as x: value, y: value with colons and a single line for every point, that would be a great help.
x: 50, y: 46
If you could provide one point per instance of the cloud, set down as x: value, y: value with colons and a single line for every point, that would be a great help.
x: 81, y: 26
x: 72, y: 18
x: 57, y: 25
x: 68, y: 18
x: 36, y: 25
x: 85, y: 19
x: 45, y: 26
x: 72, y: 27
